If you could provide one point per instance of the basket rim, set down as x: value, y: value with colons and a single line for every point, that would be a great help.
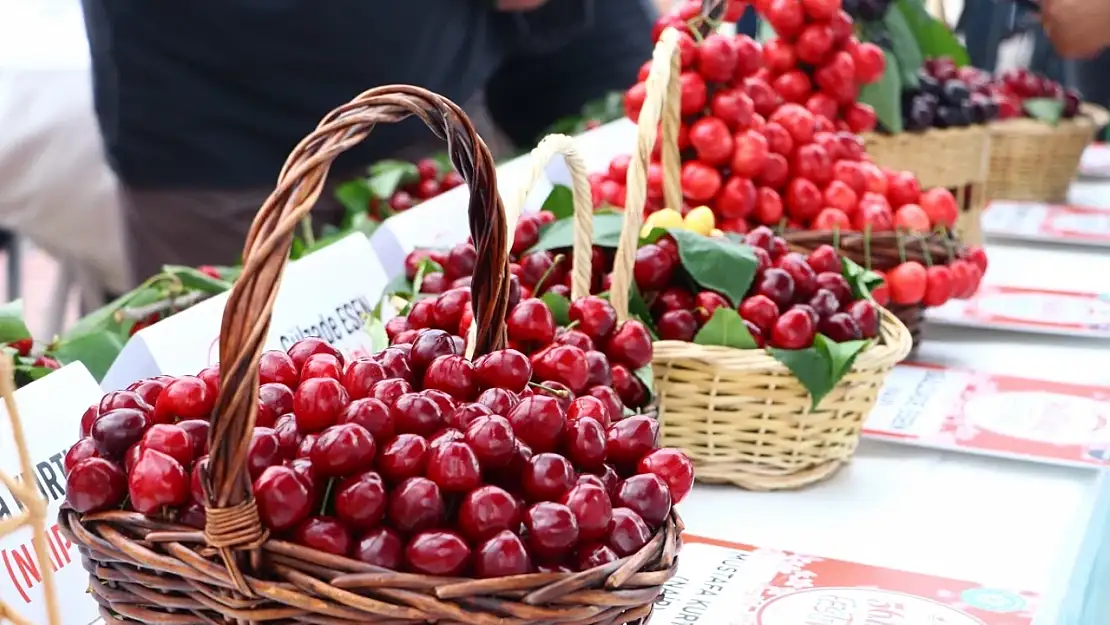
x: 977, y: 131
x: 894, y: 344
x: 1091, y: 116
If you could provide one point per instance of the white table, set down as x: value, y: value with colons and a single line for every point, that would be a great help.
x: 1005, y: 523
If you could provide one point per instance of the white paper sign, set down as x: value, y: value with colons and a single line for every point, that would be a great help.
x: 51, y: 411
x: 323, y: 295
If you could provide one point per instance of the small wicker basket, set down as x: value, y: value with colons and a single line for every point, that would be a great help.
x: 957, y: 159
x: 1032, y: 160
x: 883, y: 252
x: 741, y: 416
x: 148, y: 571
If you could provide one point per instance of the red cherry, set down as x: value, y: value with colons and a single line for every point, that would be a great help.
x: 631, y: 390
x: 429, y: 345
x: 324, y: 534
x: 343, y: 450
x: 440, y: 553
x: 317, y: 403
x: 360, y: 375
x: 592, y: 510
x: 673, y: 467
x: 600, y: 372
x: 395, y: 360
x: 502, y: 555
x: 322, y: 366
x: 840, y: 327
x: 360, y: 500
x: 454, y: 467
x: 81, y: 450
x: 170, y: 440
x: 156, y: 481
x: 381, y: 547
x: 403, y: 457
x: 507, y: 368
x: 630, y: 440
x: 631, y: 344
x: 264, y: 450
x: 585, y: 443
x: 115, y: 431
x: 761, y: 311
x: 87, y: 418
x: 487, y: 511
x: 574, y: 338
x: 552, y: 529
x: 531, y: 321
x: 805, y: 279
x: 564, y: 364
x: 416, y: 505
x: 610, y: 398
x: 186, y: 397
x: 95, y: 484
x: 124, y: 399
x: 492, y: 439
x: 547, y: 477
x: 795, y: 329
x: 500, y: 401
x: 149, y: 390
x: 371, y: 414
x: 538, y: 422
x: 591, y: 556
x: 628, y: 533
x: 283, y: 499
x: 907, y: 282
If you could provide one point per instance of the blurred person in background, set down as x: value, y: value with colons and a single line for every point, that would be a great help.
x: 201, y: 101
x: 1080, y: 30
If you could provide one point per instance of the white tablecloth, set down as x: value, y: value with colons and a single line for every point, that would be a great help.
x: 55, y: 186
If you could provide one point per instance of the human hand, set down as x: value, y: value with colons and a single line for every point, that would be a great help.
x: 1077, y: 28
x: 518, y: 5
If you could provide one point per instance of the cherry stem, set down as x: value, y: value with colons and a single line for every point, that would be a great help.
x: 836, y: 238
x: 925, y: 252
x: 546, y: 274
x: 781, y: 226
x: 171, y: 304
x: 950, y: 249
x: 554, y: 391
x: 327, y: 496
x: 572, y: 324
x: 901, y: 244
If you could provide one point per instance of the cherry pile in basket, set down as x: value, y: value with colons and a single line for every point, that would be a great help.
x: 769, y: 132
x: 409, y: 184
x: 415, y: 459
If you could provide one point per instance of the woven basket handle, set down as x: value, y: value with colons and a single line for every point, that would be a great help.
x: 232, y: 515
x: 662, y: 101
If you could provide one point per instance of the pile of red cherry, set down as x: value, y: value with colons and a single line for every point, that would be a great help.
x: 430, y: 181
x: 415, y: 459
x: 791, y: 299
x: 769, y: 133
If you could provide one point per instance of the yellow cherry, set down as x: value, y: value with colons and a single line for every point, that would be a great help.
x: 700, y: 220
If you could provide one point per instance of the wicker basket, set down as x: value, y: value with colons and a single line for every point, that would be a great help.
x: 883, y: 252
x: 954, y: 158
x: 1035, y: 161
x: 147, y: 571
x: 740, y: 415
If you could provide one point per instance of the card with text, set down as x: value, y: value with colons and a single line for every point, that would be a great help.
x: 725, y: 583
x: 1052, y: 223
x: 1095, y: 161
x: 1021, y: 309
x: 1051, y: 422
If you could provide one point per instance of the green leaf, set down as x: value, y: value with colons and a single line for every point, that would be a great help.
x: 443, y: 161
x: 840, y: 355
x: 12, y: 326
x: 97, y: 351
x: 399, y: 285
x: 885, y: 95
x: 1048, y: 110
x: 193, y: 279
x: 560, y: 202
x: 605, y: 109
x: 714, y: 263
x: 375, y: 327
x: 905, y: 48
x: 355, y: 196
x: 648, y: 378
x: 934, y: 37
x: 104, y: 317
x: 862, y: 281
x: 727, y: 329
x: 559, y: 305
x: 812, y: 367
x: 560, y: 234
x: 25, y: 374
x: 638, y: 307
x: 426, y: 266
x: 389, y: 175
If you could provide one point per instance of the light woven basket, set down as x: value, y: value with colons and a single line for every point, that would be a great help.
x: 1035, y: 161
x: 144, y: 570
x: 741, y: 416
x: 957, y: 159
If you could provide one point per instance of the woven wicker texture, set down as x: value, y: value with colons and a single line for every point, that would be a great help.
x: 1035, y: 161
x: 146, y: 571
x: 742, y: 417
x: 884, y: 251
x: 957, y: 159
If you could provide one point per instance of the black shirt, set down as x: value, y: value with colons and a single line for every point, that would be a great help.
x: 215, y: 93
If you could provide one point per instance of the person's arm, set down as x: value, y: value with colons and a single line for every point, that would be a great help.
x: 1077, y: 28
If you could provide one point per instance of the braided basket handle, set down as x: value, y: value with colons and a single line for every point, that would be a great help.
x: 233, y: 523
x: 661, y: 102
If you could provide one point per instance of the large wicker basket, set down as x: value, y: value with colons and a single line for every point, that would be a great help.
x: 883, y: 252
x: 148, y: 571
x: 740, y: 415
x: 954, y: 158
x: 1035, y: 161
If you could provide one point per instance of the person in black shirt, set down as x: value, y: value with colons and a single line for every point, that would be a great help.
x: 200, y: 101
